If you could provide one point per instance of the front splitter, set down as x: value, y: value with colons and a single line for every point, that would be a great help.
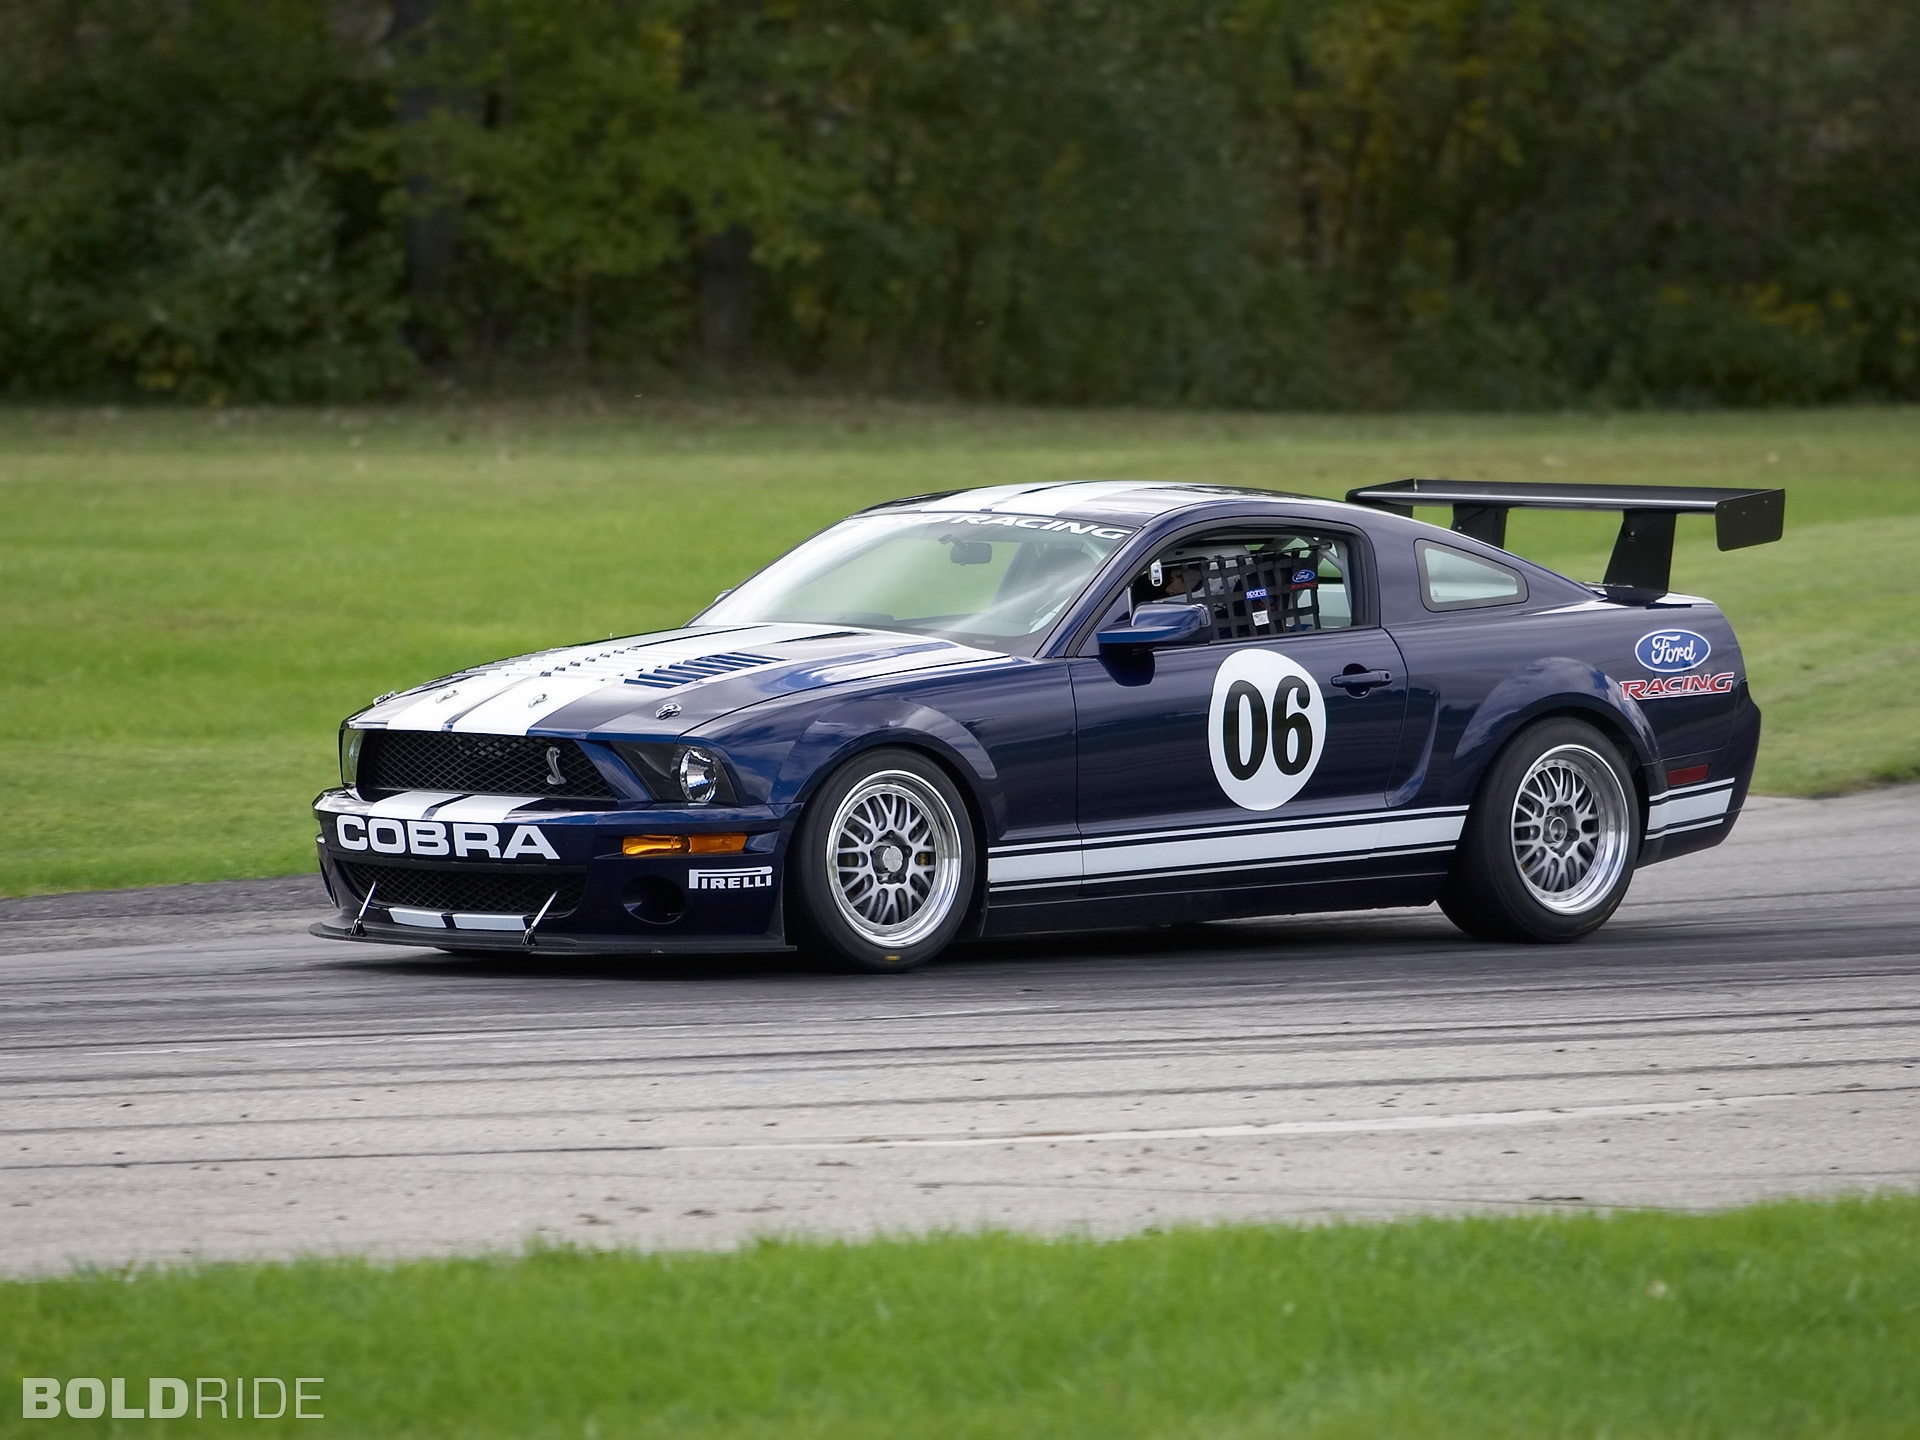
x: 511, y: 942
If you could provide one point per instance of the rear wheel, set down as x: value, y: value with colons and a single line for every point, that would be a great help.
x: 883, y: 865
x: 1549, y: 846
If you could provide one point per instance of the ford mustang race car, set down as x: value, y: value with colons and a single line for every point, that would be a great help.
x: 1048, y: 707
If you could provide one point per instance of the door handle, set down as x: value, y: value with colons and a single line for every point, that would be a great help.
x: 1356, y: 681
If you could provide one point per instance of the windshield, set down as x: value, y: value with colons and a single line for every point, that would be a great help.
x: 994, y: 581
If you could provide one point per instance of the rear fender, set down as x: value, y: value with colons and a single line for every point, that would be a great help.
x: 1557, y: 684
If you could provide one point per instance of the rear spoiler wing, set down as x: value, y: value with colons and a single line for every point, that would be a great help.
x: 1642, y: 555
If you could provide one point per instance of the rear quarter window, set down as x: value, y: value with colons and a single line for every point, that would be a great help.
x: 1454, y: 580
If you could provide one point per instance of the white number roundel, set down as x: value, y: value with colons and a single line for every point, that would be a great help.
x: 1266, y: 728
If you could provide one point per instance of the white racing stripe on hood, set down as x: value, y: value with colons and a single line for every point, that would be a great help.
x: 526, y: 705
x: 516, y: 696
x: 519, y: 696
x: 435, y: 708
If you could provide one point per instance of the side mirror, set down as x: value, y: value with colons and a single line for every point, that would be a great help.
x: 1160, y: 623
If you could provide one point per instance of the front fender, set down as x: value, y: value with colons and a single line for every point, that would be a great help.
x: 1557, y: 683
x: 846, y: 730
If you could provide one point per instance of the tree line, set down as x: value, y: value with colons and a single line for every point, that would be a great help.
x: 1236, y: 202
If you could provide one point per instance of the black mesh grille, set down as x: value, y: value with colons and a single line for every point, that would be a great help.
x: 395, y: 760
x: 477, y: 889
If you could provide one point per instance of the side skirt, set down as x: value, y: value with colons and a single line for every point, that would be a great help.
x: 1018, y: 915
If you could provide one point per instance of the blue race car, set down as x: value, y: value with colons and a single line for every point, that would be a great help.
x: 1051, y: 707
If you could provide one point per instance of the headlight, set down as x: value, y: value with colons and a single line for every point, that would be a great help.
x: 350, y: 743
x: 699, y: 775
x: 693, y: 774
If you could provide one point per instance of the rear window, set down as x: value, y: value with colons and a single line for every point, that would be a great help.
x: 1454, y: 580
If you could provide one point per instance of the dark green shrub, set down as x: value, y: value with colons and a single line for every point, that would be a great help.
x: 170, y: 223
x: 1228, y: 202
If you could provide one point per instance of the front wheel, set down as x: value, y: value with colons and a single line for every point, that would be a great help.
x: 883, y: 865
x: 1550, y: 843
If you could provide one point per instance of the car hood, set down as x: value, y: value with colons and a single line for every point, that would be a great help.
x: 693, y: 675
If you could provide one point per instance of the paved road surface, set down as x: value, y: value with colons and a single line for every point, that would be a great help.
x: 185, y: 1073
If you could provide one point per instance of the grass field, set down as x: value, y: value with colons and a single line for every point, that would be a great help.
x: 1782, y: 1320
x: 191, y: 601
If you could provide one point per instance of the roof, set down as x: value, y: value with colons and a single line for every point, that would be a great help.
x: 1124, y: 501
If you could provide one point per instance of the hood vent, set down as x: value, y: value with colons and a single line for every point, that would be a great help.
x: 667, y: 677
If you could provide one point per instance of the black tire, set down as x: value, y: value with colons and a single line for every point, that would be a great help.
x: 1534, y: 867
x: 882, y: 867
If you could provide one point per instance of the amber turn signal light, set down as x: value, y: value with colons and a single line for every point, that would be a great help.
x: 683, y: 844
x: 654, y: 845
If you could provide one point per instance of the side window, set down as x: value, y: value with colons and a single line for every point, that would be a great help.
x: 1453, y: 580
x: 1256, y: 583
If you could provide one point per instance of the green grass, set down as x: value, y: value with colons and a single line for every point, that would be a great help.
x: 1792, y: 1319
x: 191, y: 601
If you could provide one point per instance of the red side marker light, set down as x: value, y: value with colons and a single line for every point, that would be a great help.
x: 1692, y: 775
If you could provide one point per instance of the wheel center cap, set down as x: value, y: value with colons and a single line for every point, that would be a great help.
x: 1557, y: 830
x: 890, y: 858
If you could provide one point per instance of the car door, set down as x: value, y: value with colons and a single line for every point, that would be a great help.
x: 1257, y: 760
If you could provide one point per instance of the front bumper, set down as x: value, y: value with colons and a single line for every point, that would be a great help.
x: 510, y: 874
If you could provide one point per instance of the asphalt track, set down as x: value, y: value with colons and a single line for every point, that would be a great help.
x: 184, y: 1073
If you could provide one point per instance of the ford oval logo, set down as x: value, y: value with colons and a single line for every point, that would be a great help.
x: 1305, y: 577
x: 1668, y: 652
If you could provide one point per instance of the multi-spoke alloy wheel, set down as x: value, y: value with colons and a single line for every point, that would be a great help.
x: 1570, y: 828
x: 896, y: 858
x: 882, y: 870
x: 1550, y: 844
